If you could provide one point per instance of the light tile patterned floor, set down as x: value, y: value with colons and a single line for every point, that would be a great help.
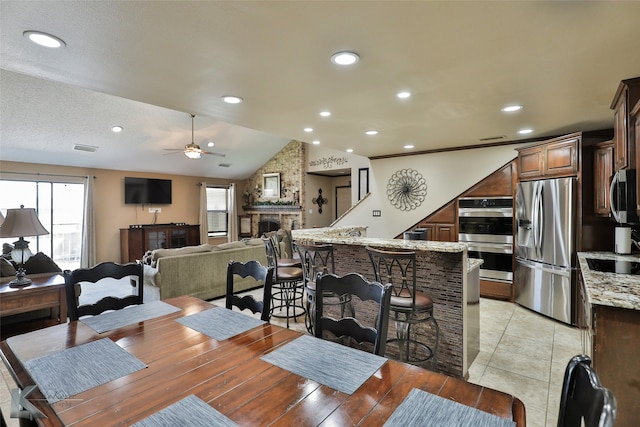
x: 521, y: 353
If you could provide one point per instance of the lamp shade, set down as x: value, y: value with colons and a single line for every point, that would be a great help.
x: 22, y: 222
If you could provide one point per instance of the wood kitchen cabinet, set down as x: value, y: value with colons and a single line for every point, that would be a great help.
x: 625, y: 98
x: 602, y: 171
x: 549, y: 159
x: 635, y: 125
x: 441, y: 225
x: 136, y: 240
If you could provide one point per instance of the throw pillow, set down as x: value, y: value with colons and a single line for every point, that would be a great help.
x: 6, y: 268
x: 41, y: 263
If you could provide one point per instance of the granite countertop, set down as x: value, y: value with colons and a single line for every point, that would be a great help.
x: 320, y: 235
x: 610, y: 289
x: 474, y: 263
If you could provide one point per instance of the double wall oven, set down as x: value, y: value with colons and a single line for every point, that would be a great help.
x: 486, y: 225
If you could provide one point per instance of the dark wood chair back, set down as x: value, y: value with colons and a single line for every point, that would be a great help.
x: 93, y: 275
x: 261, y: 274
x: 583, y: 398
x: 355, y: 285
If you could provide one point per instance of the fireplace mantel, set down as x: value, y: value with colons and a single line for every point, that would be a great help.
x: 273, y: 209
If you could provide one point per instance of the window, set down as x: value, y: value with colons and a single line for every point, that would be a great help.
x: 217, y: 211
x: 59, y: 206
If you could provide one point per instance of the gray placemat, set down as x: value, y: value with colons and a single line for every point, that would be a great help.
x: 220, y: 323
x: 128, y: 316
x: 421, y: 408
x: 77, y: 369
x: 337, y: 366
x: 190, y: 411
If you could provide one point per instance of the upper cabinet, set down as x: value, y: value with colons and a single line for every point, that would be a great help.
x: 602, y: 172
x: 635, y: 127
x: 626, y: 97
x: 549, y: 159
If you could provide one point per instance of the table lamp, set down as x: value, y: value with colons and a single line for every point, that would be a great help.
x: 19, y: 223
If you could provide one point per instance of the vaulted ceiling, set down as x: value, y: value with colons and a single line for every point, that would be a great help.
x: 147, y: 65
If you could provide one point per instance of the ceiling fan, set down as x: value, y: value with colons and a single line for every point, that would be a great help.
x: 193, y: 150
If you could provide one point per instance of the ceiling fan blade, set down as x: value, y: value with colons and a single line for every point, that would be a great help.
x: 214, y: 153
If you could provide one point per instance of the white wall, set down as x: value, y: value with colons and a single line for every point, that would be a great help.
x: 321, y: 159
x: 447, y: 174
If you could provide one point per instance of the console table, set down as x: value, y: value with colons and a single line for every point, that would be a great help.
x: 137, y: 239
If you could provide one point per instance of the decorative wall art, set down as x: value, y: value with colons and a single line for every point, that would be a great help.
x: 319, y: 200
x: 271, y: 185
x: 406, y: 189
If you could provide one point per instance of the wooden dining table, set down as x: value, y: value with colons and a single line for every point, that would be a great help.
x: 230, y: 376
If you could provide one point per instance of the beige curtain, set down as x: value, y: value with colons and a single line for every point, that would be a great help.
x: 204, y: 222
x: 88, y: 247
x: 232, y: 226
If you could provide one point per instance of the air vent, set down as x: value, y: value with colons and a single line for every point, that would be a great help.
x: 493, y: 138
x: 89, y: 148
x: 224, y: 165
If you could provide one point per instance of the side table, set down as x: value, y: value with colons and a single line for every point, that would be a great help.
x: 46, y: 291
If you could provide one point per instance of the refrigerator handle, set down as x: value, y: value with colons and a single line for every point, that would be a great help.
x: 540, y: 230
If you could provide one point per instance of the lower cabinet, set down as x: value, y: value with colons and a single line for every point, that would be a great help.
x: 611, y: 337
x: 441, y: 232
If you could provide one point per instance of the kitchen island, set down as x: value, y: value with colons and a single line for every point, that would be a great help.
x: 443, y: 271
x: 609, y: 315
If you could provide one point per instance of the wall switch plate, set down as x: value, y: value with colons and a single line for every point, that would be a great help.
x: 377, y: 212
x: 155, y: 210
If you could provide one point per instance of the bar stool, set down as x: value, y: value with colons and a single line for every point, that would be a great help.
x: 410, y: 306
x: 288, y: 290
x: 318, y: 260
x: 276, y: 239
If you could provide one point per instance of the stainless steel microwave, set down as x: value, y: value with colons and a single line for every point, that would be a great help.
x: 622, y: 197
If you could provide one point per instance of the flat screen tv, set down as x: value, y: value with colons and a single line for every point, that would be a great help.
x: 147, y: 191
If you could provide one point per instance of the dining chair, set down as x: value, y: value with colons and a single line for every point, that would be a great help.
x: 259, y: 273
x: 411, y: 307
x: 583, y: 399
x: 318, y: 259
x: 106, y: 270
x: 287, y: 286
x: 354, y: 285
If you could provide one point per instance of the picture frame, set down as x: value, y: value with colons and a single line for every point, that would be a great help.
x: 271, y: 185
x: 363, y: 182
x: 244, y: 225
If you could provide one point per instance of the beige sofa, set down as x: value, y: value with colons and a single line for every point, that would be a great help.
x: 199, y: 271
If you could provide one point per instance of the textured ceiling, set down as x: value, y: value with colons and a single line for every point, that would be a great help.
x: 146, y: 65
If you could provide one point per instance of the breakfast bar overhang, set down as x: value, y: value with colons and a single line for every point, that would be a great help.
x: 443, y: 271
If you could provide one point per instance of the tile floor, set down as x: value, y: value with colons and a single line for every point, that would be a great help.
x: 521, y: 353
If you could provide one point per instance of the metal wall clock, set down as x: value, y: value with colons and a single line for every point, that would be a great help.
x: 406, y: 189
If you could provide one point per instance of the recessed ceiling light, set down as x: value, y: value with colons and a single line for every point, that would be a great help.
x: 512, y: 108
x: 230, y: 99
x: 117, y: 129
x: 409, y: 146
x: 525, y: 131
x: 345, y: 58
x: 315, y: 142
x: 349, y: 150
x: 308, y: 130
x: 44, y: 39
x: 403, y: 95
x: 210, y: 144
x: 325, y: 113
x: 371, y: 132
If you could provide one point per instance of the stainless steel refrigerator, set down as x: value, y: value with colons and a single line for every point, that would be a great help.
x: 544, y: 243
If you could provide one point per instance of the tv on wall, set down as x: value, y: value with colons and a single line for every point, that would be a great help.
x: 147, y: 191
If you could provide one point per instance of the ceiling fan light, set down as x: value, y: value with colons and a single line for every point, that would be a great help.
x: 192, y: 154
